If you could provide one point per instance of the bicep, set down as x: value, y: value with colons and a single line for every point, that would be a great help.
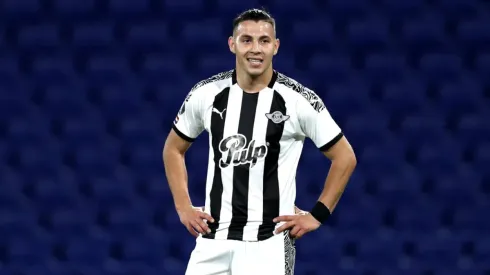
x: 175, y: 143
x: 341, y: 149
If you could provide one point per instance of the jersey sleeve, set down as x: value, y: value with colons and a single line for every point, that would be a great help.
x: 315, y: 121
x: 189, y: 122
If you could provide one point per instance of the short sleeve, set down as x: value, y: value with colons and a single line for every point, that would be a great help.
x: 188, y: 123
x: 316, y: 122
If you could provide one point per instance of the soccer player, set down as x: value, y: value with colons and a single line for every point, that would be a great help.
x: 257, y: 120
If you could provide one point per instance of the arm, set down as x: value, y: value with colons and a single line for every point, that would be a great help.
x: 315, y: 122
x: 343, y: 161
x: 175, y: 169
x: 187, y: 126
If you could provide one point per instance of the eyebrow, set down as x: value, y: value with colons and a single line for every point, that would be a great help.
x: 260, y: 37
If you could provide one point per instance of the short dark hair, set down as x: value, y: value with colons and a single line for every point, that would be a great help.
x: 254, y: 15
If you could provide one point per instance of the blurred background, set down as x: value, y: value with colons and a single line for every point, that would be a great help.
x: 89, y: 90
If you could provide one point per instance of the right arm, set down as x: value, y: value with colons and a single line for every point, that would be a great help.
x: 187, y: 126
x: 175, y: 170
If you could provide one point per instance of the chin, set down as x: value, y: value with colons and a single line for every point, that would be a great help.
x: 255, y: 71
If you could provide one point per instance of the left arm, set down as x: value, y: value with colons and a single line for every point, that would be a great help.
x: 316, y: 123
x: 343, y: 161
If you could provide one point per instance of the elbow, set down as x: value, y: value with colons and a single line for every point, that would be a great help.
x: 348, y: 159
x: 352, y: 160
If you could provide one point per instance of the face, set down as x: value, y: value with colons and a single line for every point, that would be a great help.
x: 254, y: 44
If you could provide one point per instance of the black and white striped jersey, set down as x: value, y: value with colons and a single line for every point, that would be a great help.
x: 255, y: 140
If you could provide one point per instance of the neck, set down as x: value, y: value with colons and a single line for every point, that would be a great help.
x: 253, y: 84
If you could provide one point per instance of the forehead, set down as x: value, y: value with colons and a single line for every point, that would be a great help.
x: 255, y: 28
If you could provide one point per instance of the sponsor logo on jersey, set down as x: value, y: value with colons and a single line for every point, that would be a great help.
x: 235, y: 151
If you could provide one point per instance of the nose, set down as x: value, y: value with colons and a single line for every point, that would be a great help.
x: 256, y: 47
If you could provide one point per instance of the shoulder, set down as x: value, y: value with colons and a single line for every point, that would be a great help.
x: 300, y: 92
x: 217, y: 81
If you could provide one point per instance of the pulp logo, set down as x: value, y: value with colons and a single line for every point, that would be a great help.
x: 235, y: 151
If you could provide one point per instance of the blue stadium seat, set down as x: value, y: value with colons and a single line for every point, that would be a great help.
x: 20, y: 10
x: 483, y: 66
x: 149, y: 36
x: 404, y: 97
x: 331, y: 69
x: 482, y: 156
x: 473, y: 128
x: 53, y: 196
x: 474, y: 33
x: 71, y: 8
x: 385, y: 68
x: 441, y: 67
x: 88, y: 251
x: 423, y: 35
x: 145, y: 250
x: 423, y: 128
x: 469, y: 218
x: 215, y: 62
x: 350, y: 94
x: 37, y: 37
x: 107, y: 194
x: 68, y: 223
x: 454, y: 102
x: 24, y: 251
x: 349, y: 9
x: 291, y: 7
x: 175, y: 9
x: 372, y: 127
x: 124, y: 223
x: 400, y: 189
x: 459, y: 9
x: 310, y: 36
x: 420, y: 217
x: 28, y: 131
x: 17, y: 223
x: 103, y: 70
x: 402, y: 9
x: 368, y: 35
x: 118, y: 104
x: 9, y: 69
x: 158, y: 68
x: 129, y: 7
x: 93, y: 160
x: 235, y: 8
x: 53, y: 70
x: 437, y: 252
x: 64, y: 101
x: 206, y: 35
x: 94, y: 35
x: 374, y: 252
x: 78, y: 132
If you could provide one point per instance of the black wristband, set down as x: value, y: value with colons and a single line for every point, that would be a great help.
x: 320, y: 212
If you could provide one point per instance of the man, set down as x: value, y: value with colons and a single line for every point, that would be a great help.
x: 257, y: 121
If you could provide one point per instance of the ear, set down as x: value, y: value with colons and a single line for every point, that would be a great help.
x: 276, y: 47
x: 231, y: 44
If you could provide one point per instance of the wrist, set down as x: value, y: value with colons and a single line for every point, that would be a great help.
x: 320, y: 212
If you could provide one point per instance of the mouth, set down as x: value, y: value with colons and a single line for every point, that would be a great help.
x: 255, y: 61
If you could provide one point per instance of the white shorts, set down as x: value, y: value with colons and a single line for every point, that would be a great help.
x: 274, y: 256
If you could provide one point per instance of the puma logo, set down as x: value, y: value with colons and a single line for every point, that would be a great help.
x: 219, y: 113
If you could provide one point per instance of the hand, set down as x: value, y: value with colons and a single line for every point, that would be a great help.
x: 299, y: 224
x: 193, y: 219
x: 298, y: 211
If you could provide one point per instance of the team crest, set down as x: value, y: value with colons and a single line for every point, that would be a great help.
x: 277, y: 117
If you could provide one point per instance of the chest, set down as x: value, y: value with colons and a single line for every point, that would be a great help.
x: 260, y: 118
